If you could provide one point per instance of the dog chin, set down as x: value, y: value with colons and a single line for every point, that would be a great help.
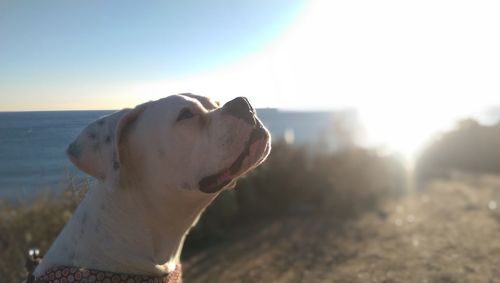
x: 256, y: 149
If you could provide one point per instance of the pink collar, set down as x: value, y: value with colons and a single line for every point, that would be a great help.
x: 66, y: 274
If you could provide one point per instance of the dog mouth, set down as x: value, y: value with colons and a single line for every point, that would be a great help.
x: 255, y: 150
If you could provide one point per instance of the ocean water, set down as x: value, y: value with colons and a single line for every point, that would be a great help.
x: 33, y: 144
x: 32, y: 148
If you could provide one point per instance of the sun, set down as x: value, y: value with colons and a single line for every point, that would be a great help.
x: 405, y: 130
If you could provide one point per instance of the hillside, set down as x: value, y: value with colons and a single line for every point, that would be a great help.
x: 448, y: 233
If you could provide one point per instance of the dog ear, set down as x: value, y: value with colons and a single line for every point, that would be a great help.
x: 96, y: 151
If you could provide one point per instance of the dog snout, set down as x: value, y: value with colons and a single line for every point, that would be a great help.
x: 241, y: 109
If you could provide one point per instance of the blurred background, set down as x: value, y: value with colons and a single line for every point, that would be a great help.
x: 384, y: 116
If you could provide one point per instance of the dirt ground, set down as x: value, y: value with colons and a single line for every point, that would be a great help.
x: 448, y: 233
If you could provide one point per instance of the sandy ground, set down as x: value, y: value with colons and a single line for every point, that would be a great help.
x: 447, y: 233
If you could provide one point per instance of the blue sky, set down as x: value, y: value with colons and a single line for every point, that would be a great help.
x: 51, y: 42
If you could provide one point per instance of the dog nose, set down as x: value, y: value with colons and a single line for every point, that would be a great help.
x: 241, y: 109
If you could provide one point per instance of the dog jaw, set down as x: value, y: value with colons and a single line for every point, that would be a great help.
x: 255, y: 151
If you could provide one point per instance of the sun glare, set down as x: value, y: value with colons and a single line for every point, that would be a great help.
x: 399, y: 132
x: 409, y: 69
x: 405, y: 129
x: 407, y: 78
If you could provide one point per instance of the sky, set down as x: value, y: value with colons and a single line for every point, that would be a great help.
x: 409, y: 68
x: 99, y: 54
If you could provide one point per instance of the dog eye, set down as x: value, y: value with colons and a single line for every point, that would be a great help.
x: 185, y: 114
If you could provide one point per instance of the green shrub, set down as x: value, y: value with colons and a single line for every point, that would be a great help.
x: 295, y: 181
x: 33, y: 223
x: 470, y: 147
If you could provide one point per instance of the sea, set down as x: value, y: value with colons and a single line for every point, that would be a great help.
x: 33, y: 144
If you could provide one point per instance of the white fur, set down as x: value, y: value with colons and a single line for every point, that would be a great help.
x: 135, y: 219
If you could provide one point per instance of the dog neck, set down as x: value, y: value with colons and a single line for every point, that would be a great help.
x: 125, y: 232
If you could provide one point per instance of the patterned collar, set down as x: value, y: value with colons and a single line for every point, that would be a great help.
x: 66, y: 274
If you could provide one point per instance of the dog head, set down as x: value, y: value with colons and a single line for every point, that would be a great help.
x: 182, y: 142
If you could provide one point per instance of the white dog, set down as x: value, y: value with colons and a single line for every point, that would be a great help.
x: 159, y: 166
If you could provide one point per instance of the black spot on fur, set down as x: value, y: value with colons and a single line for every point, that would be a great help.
x: 92, y: 135
x: 108, y: 139
x: 100, y: 123
x: 74, y: 150
x: 116, y: 165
